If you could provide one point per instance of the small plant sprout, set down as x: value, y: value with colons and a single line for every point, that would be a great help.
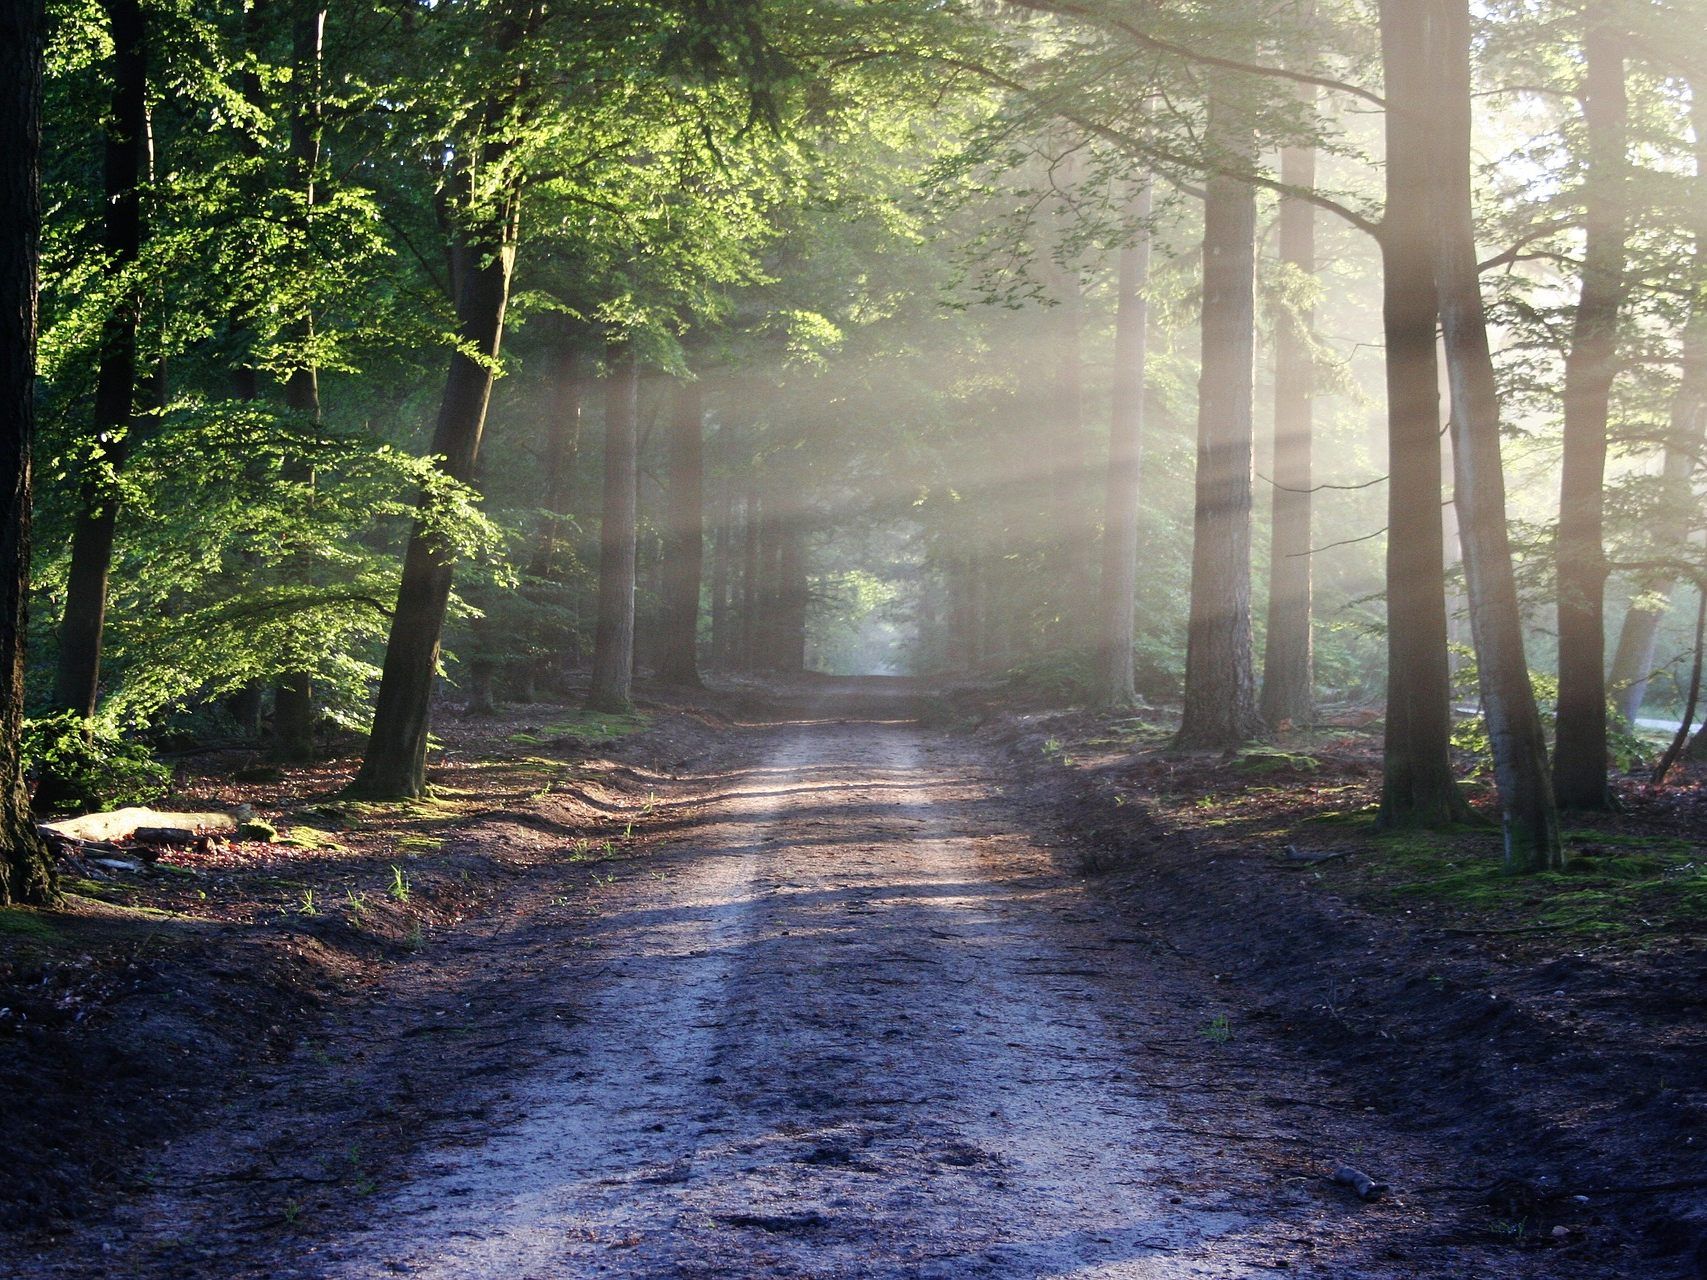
x: 399, y: 884
x: 1218, y: 1029
x: 307, y: 907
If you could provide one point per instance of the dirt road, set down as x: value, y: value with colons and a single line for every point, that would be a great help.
x: 849, y: 1021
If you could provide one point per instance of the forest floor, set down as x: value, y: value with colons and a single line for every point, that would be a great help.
x: 846, y: 979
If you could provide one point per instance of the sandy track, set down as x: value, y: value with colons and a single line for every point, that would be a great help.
x: 856, y: 1025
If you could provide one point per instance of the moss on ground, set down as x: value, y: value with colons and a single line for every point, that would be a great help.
x: 586, y: 726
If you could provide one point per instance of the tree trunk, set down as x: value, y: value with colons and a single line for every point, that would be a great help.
x: 751, y: 600
x: 793, y: 596
x: 1591, y: 364
x: 1633, y: 662
x: 684, y: 538
x: 1125, y: 456
x: 1071, y: 538
x: 483, y: 256
x: 721, y: 572
x: 77, y: 680
x: 295, y: 712
x: 1220, y: 686
x: 1418, y: 788
x: 1288, y: 675
x: 613, y: 634
x: 1529, y: 817
x: 562, y: 444
x: 26, y: 870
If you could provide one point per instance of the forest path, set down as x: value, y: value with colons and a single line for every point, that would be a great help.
x: 853, y: 1022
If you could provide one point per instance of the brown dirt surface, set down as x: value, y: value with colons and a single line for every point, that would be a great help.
x: 836, y: 1000
x: 1550, y: 1027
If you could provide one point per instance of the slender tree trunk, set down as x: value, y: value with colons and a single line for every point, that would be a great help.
x: 1125, y: 457
x: 1633, y: 662
x: 720, y: 577
x: 26, y: 870
x: 1418, y: 788
x: 562, y: 445
x: 684, y: 538
x: 613, y: 634
x: 1591, y: 364
x: 793, y: 596
x: 751, y: 598
x: 1220, y: 686
x: 1529, y: 817
x: 483, y: 257
x: 1070, y: 534
x: 295, y: 711
x: 1288, y: 669
x: 77, y: 680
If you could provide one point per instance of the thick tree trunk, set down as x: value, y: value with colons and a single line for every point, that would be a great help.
x: 684, y: 537
x: 1530, y: 819
x: 1633, y: 661
x: 1220, y: 686
x: 77, y: 679
x: 1288, y: 669
x: 1125, y: 458
x: 26, y: 870
x: 1579, y: 751
x: 613, y: 634
x: 295, y: 712
x: 1418, y: 788
x: 395, y: 765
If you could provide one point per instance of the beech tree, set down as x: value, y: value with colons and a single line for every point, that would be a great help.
x: 1529, y: 816
x: 1579, y: 758
x: 26, y: 872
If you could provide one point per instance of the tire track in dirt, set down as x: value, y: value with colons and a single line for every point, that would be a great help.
x: 854, y: 1022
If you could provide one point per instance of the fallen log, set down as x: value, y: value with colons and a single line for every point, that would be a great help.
x: 125, y: 824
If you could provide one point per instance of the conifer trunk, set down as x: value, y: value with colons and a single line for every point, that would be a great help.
x: 1220, y: 685
x: 483, y: 255
x: 1591, y: 364
x: 1288, y: 669
x: 684, y: 537
x: 613, y: 634
x: 77, y: 680
x: 1125, y: 458
x: 26, y: 870
x: 1418, y: 788
x: 1529, y: 816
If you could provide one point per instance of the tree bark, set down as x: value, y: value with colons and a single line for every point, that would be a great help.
x: 26, y: 870
x: 1070, y: 532
x: 751, y: 598
x: 77, y: 680
x: 483, y: 256
x: 1288, y: 669
x: 1220, y: 686
x: 1591, y: 364
x: 295, y: 711
x: 562, y: 445
x: 1125, y: 459
x: 793, y: 596
x: 1638, y: 638
x: 613, y: 634
x: 1418, y: 788
x: 684, y: 537
x: 1528, y: 814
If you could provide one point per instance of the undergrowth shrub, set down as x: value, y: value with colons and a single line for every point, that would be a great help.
x: 79, y: 766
